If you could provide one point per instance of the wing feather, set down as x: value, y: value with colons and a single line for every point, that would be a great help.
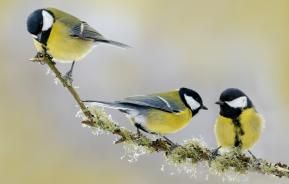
x: 155, y: 102
x: 85, y: 31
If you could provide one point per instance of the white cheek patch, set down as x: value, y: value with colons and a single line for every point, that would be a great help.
x: 47, y: 20
x: 240, y: 102
x: 192, y: 102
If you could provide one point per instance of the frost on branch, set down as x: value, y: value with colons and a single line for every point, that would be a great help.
x: 133, y: 152
x: 98, y: 116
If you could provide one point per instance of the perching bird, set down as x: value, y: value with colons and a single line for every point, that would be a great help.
x: 62, y: 36
x: 161, y: 113
x: 239, y: 124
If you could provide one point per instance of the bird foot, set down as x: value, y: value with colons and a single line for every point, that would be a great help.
x: 40, y: 58
x: 171, y: 143
x: 68, y: 78
x: 215, y: 153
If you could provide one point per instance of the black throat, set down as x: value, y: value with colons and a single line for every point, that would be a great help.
x: 230, y: 112
x: 43, y: 36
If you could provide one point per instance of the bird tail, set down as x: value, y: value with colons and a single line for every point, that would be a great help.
x: 113, y: 43
x: 110, y: 105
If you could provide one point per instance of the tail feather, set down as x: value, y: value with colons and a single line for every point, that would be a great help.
x: 123, y: 107
x: 110, y: 105
x: 113, y: 43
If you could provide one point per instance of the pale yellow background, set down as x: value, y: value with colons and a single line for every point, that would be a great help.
x: 205, y: 45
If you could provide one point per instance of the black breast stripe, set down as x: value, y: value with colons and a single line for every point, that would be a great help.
x: 238, y: 132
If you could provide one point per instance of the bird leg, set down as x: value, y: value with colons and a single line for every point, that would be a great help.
x: 138, y: 132
x: 171, y: 143
x: 68, y: 75
x: 140, y: 128
x: 254, y: 157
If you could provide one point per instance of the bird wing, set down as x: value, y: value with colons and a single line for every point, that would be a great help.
x: 86, y: 32
x: 168, y: 102
x: 80, y: 29
x: 76, y: 27
x: 151, y: 101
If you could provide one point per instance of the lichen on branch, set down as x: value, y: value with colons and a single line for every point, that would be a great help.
x: 190, y: 153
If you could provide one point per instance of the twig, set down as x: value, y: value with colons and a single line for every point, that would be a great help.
x: 192, y: 152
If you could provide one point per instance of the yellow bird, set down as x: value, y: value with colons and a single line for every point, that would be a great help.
x: 62, y: 36
x: 160, y: 113
x: 239, y: 124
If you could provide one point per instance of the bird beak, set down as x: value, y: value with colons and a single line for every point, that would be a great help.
x: 220, y: 103
x: 204, y: 107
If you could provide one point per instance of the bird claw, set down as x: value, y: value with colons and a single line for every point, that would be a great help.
x: 215, y: 152
x: 171, y: 143
x: 138, y: 134
x: 40, y: 58
x: 68, y: 78
x: 50, y: 58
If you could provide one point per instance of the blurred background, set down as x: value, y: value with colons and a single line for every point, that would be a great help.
x: 204, y: 45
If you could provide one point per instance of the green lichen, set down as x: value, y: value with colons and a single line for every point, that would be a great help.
x: 234, y: 159
x: 192, y: 152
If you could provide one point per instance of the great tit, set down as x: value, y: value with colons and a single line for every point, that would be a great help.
x: 63, y: 36
x: 239, y: 124
x: 160, y: 113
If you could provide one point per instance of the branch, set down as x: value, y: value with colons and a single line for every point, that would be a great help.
x: 191, y: 152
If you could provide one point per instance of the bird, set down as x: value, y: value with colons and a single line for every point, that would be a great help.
x: 62, y: 36
x: 159, y: 113
x: 239, y: 125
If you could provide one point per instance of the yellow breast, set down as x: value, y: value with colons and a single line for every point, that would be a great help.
x: 225, y: 132
x: 251, y: 124
x: 63, y: 47
x: 166, y: 123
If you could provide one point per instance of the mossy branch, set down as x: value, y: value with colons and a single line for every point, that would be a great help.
x: 191, y: 152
